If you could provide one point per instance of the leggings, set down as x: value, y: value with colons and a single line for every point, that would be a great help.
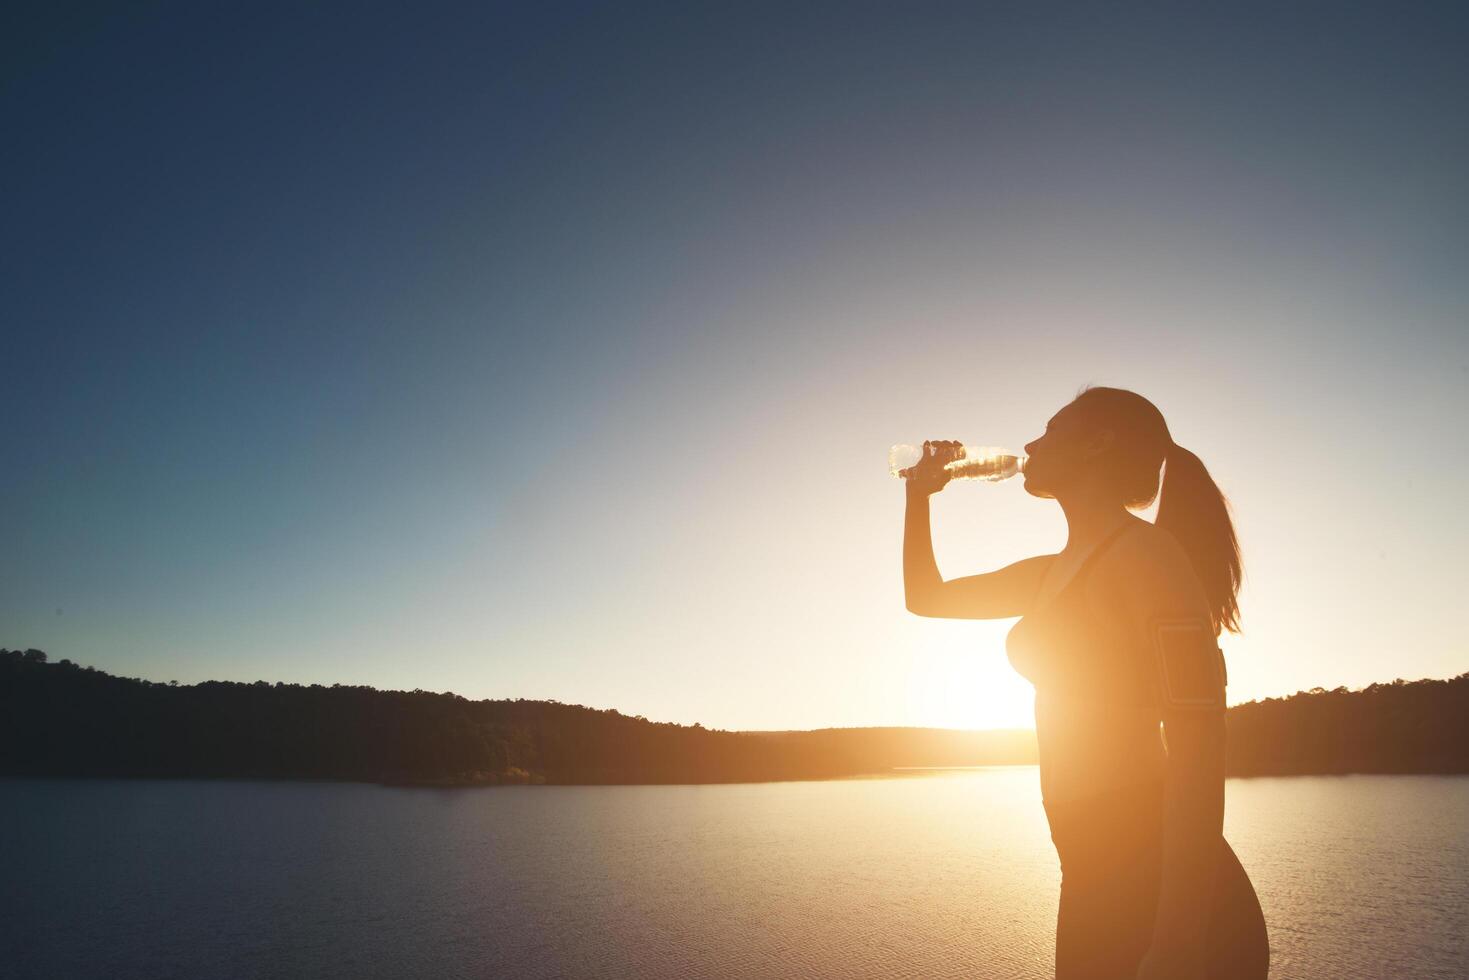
x: 1110, y: 847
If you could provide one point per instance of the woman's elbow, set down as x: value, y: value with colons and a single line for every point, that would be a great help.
x: 916, y: 606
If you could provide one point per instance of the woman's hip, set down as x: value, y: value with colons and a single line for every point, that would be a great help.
x: 1111, y: 869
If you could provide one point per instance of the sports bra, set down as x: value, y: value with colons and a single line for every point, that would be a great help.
x: 1057, y: 644
x: 1096, y: 713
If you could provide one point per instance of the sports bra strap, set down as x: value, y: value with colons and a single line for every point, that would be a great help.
x: 1101, y: 547
x: 1086, y: 566
x: 1079, y: 578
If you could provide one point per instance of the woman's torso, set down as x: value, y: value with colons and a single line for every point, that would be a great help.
x: 1097, y: 722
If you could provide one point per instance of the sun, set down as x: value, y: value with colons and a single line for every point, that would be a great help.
x: 965, y: 682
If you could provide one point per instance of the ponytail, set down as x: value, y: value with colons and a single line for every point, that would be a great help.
x: 1194, y: 510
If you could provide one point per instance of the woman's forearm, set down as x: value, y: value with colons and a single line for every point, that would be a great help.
x: 921, y: 577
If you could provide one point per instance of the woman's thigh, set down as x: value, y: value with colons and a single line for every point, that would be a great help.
x: 1111, y: 860
x: 1105, y: 922
x: 1103, y: 933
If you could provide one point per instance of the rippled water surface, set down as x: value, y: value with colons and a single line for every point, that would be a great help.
x: 949, y: 874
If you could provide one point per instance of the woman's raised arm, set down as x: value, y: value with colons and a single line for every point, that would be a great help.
x: 993, y: 595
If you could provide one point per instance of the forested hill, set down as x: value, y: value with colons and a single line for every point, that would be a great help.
x: 60, y: 719
x: 1402, y: 726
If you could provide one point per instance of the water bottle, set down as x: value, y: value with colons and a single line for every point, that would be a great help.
x: 989, y: 463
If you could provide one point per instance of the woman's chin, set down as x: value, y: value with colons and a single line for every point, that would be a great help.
x: 1035, y: 489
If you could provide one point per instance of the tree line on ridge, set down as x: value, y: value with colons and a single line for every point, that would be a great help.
x: 61, y: 719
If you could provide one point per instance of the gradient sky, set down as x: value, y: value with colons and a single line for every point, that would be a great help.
x: 555, y: 354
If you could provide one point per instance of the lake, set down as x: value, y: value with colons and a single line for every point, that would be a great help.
x: 935, y: 875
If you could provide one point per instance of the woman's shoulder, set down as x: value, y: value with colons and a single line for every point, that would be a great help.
x: 1148, y: 561
x: 1147, y: 543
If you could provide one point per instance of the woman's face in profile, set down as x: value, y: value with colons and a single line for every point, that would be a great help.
x: 1053, y: 460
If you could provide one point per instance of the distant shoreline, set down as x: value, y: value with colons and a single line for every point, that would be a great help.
x: 61, y: 719
x: 897, y: 773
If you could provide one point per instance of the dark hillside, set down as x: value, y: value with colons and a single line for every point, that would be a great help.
x: 59, y: 719
x: 1405, y: 727
x: 63, y: 720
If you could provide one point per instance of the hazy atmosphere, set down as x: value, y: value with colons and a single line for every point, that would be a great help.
x: 492, y: 350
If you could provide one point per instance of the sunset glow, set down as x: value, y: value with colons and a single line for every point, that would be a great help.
x: 580, y: 387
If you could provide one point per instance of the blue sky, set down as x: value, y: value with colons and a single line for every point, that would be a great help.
x: 556, y: 354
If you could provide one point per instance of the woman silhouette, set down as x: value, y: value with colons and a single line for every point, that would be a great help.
x: 1119, y: 634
